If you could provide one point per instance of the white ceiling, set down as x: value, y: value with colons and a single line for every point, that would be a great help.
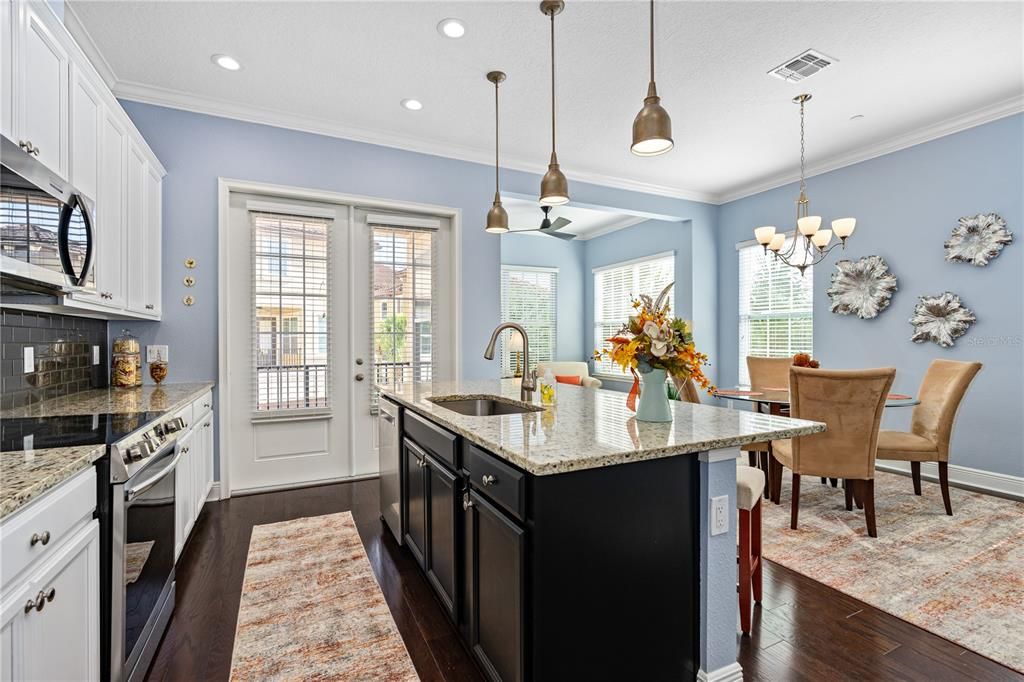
x: 587, y: 223
x: 915, y: 70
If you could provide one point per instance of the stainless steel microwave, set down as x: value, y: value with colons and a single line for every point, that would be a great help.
x: 46, y: 225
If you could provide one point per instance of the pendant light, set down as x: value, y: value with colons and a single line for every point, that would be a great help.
x: 554, y: 188
x: 497, y: 217
x: 652, y: 127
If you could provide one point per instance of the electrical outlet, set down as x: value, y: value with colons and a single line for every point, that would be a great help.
x: 156, y: 354
x: 95, y: 355
x: 30, y: 359
x: 28, y: 442
x: 719, y: 515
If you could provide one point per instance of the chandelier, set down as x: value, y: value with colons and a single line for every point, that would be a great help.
x: 810, y: 244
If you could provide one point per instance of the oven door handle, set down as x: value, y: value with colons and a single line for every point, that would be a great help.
x: 133, y: 492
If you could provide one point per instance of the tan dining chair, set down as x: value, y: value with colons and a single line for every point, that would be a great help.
x: 850, y: 402
x: 931, y: 425
x: 765, y: 373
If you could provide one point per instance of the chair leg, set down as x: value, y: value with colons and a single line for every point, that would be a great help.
x: 755, y: 544
x: 848, y: 489
x: 915, y: 473
x: 744, y: 586
x: 752, y: 459
x: 834, y: 482
x: 858, y: 494
x: 795, y: 506
x: 944, y: 484
x: 776, y: 481
x: 868, y: 496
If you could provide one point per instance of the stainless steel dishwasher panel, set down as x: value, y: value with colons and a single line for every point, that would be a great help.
x: 389, y: 445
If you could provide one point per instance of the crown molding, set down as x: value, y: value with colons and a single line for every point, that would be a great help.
x: 81, y: 35
x: 176, y: 99
x: 987, y: 114
x: 627, y: 221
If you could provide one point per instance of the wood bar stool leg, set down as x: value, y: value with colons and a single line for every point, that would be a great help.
x: 755, y: 542
x: 744, y: 585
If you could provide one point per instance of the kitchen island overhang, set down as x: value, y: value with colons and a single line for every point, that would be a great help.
x: 579, y: 544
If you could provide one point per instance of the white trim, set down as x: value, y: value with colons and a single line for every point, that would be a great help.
x: 634, y: 261
x: 214, y: 493
x: 392, y: 220
x: 528, y: 268
x: 1003, y: 485
x: 290, y: 209
x: 730, y: 673
x: 986, y: 114
x: 304, y: 484
x: 87, y: 45
x: 225, y: 186
x: 628, y: 221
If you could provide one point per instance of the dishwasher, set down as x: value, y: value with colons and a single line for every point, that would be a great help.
x: 388, y: 446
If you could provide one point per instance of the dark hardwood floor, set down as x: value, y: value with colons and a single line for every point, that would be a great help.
x: 802, y: 631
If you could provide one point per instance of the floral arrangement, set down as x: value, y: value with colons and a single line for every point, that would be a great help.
x: 805, y: 360
x: 651, y: 339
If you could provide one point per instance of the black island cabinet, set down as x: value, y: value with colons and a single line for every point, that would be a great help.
x: 583, y: 575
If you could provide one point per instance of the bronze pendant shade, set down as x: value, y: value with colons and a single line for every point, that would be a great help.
x: 554, y: 188
x: 497, y: 217
x: 652, y: 127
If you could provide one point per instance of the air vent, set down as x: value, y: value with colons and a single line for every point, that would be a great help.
x: 802, y: 66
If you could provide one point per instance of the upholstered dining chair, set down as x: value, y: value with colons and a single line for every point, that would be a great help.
x: 765, y: 373
x: 566, y: 369
x: 931, y: 425
x: 850, y: 402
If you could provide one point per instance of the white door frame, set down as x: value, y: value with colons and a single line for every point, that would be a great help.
x: 225, y: 186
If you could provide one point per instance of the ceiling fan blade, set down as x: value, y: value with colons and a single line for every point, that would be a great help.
x: 567, y: 236
x: 559, y: 224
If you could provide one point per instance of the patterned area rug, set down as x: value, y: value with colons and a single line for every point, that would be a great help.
x: 960, y: 577
x: 311, y: 608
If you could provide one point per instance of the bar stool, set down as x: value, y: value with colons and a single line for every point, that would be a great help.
x: 749, y: 492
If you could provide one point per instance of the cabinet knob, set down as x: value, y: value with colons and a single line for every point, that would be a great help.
x: 360, y: 377
x: 39, y: 538
x: 150, y: 306
x: 421, y: 462
x: 488, y: 479
x: 24, y: 145
x: 51, y: 594
x: 466, y: 502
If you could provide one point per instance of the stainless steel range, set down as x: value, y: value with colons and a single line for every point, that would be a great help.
x: 136, y: 508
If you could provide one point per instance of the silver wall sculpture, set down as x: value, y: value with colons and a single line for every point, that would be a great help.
x: 863, y: 287
x: 942, y: 319
x: 978, y: 239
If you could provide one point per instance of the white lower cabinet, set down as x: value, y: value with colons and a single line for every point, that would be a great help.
x: 193, y: 476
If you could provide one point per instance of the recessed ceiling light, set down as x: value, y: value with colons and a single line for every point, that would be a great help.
x: 856, y: 117
x: 412, y: 104
x: 226, y: 62
x: 451, y: 28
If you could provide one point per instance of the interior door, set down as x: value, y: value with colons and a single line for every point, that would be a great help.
x: 287, y: 304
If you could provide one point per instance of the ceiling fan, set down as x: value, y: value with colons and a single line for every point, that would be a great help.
x: 549, y: 227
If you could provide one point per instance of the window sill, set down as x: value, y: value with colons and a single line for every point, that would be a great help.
x: 289, y: 416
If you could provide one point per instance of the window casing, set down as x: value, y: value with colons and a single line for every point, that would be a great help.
x: 776, y: 315
x: 615, y: 287
x: 529, y: 296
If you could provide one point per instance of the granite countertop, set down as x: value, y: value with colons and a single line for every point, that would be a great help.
x: 591, y: 428
x: 24, y: 476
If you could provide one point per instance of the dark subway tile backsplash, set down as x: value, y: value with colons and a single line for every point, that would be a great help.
x: 62, y: 345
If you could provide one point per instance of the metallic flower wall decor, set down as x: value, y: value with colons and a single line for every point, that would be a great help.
x: 863, y: 287
x: 941, y: 319
x: 978, y: 239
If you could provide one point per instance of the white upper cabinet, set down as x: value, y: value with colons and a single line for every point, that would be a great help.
x: 109, y: 221
x: 86, y: 118
x: 41, y: 98
x: 8, y: 20
x: 138, y: 239
x: 153, y: 184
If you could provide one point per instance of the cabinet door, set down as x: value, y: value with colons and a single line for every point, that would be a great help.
x: 441, y: 498
x: 86, y: 117
x: 414, y: 507
x: 137, y: 258
x: 210, y: 450
x: 184, y: 512
x: 109, y: 221
x: 62, y: 638
x: 12, y: 631
x: 154, y: 206
x: 496, y: 550
x: 8, y: 53
x: 41, y: 100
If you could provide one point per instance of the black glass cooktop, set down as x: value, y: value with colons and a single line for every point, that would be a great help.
x: 25, y: 433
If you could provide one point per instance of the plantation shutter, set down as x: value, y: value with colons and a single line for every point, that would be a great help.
x: 529, y: 296
x: 775, y: 308
x: 615, y: 287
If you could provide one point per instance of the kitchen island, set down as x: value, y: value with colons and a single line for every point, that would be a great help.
x: 572, y: 541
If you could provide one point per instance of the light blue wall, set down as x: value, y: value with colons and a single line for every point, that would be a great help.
x: 567, y: 256
x: 906, y: 203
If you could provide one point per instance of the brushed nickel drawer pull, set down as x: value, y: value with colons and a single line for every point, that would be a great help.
x: 39, y: 538
x: 488, y: 479
x: 466, y: 502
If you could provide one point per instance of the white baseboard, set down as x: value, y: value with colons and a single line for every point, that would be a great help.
x: 295, y: 486
x: 1003, y: 485
x: 729, y: 673
x: 214, y: 492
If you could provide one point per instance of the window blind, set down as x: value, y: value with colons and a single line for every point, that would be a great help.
x: 291, y: 312
x: 529, y: 296
x: 775, y: 308
x: 615, y: 287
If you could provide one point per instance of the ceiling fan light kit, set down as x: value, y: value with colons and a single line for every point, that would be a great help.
x: 652, y: 127
x: 497, y: 217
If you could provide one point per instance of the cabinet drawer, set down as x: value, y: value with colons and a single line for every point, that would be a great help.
x: 499, y: 482
x: 50, y: 518
x: 432, y: 438
x: 202, y: 406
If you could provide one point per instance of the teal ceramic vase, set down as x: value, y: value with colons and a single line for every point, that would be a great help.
x: 653, y: 403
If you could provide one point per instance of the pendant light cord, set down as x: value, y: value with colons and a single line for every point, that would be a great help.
x: 552, y: 15
x: 496, y: 129
x: 803, y: 184
x: 652, y: 41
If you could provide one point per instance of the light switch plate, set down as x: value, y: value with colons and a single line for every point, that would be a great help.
x: 719, y: 515
x: 30, y: 359
x: 95, y: 355
x: 156, y: 354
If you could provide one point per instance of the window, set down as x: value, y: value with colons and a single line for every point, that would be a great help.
x: 529, y: 296
x: 403, y: 303
x: 615, y: 287
x: 291, y: 299
x: 775, y: 306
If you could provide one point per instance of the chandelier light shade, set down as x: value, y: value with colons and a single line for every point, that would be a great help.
x: 652, y: 127
x: 810, y: 244
x: 497, y: 217
x: 554, y: 188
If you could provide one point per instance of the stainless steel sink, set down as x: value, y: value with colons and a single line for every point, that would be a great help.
x: 483, y: 407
